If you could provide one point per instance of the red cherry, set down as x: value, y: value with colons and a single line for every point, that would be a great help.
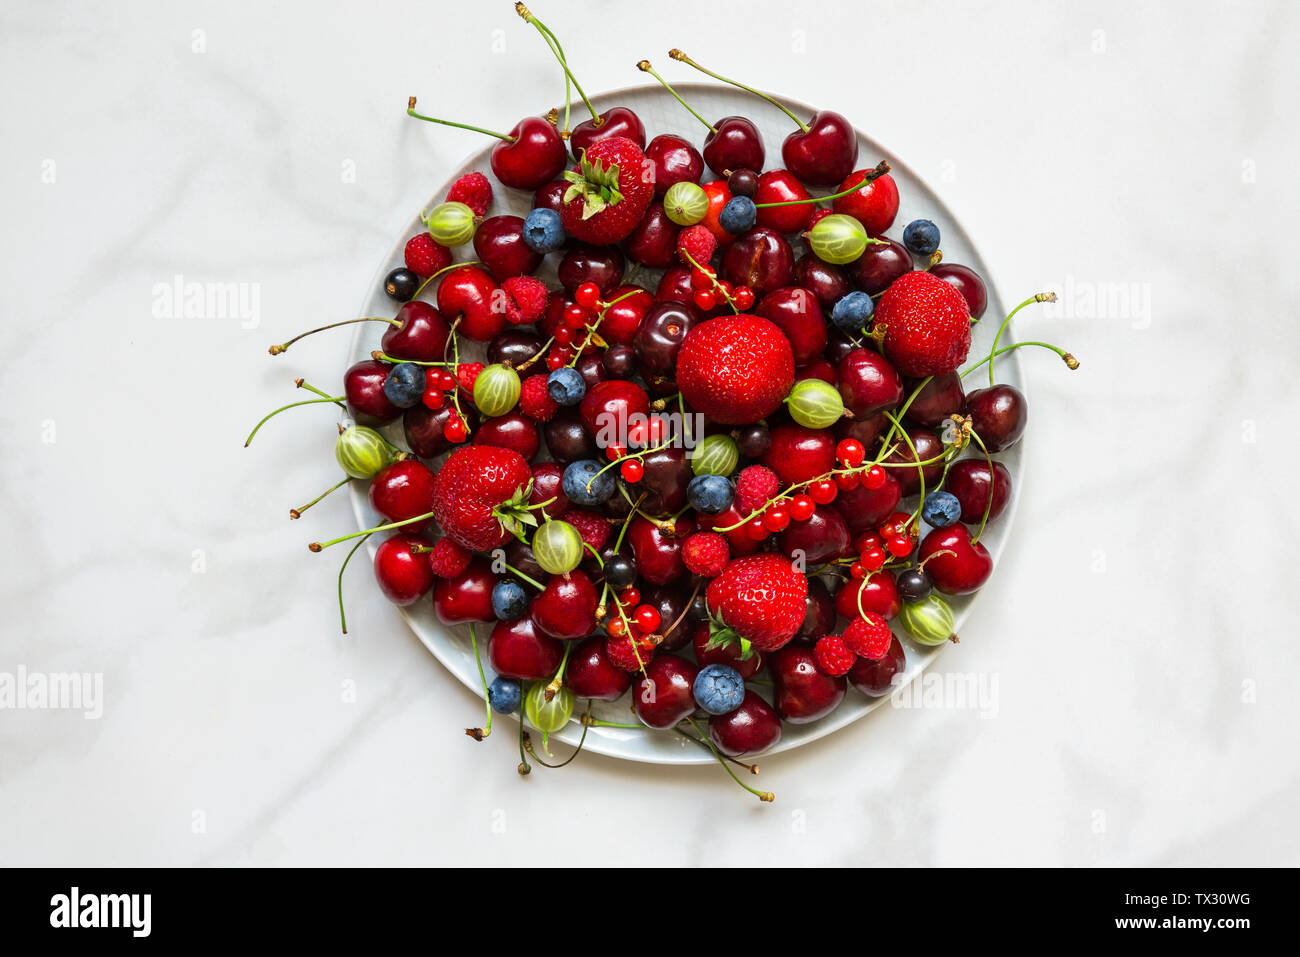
x: 403, y: 490
x: 402, y: 572
x: 517, y: 649
x: 781, y: 186
x: 719, y: 195
x: 962, y: 572
x: 590, y: 673
x: 468, y: 597
x: 823, y: 153
x: 532, y: 156
x: 874, y: 205
x: 878, y: 592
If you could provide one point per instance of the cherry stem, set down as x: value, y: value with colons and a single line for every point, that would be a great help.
x: 527, y: 742
x: 291, y: 405
x: 1069, y: 359
x: 602, y: 723
x: 916, y: 461
x: 284, y: 346
x: 380, y: 356
x: 536, y: 355
x: 1038, y: 297
x: 410, y: 111
x: 683, y: 58
x: 645, y: 67
x: 343, y: 617
x: 320, y: 546
x: 478, y: 734
x: 558, y: 680
x: 751, y: 768
x: 767, y: 796
x: 988, y: 506
x: 553, y: 42
x: 518, y: 574
x: 297, y: 512
x: 874, y: 174
x: 304, y: 384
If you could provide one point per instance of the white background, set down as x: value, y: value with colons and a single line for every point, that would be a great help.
x: 1140, y: 627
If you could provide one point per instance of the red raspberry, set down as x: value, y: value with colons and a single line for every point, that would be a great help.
x: 833, y: 655
x: 535, y: 402
x: 698, y: 242
x: 474, y: 190
x: 623, y: 650
x: 816, y: 217
x: 869, y: 637
x: 593, y: 527
x: 424, y: 257
x: 467, y: 375
x: 526, y: 298
x: 706, y: 553
x: 754, y: 486
x: 447, y: 559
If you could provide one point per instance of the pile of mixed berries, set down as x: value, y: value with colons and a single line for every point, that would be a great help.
x: 713, y: 470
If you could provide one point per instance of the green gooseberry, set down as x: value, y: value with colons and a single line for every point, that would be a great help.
x: 838, y: 239
x: 686, y: 203
x: 362, y: 453
x: 715, y: 455
x: 928, y: 621
x: 557, y: 546
x: 451, y: 224
x: 496, y: 390
x: 547, y: 716
x: 815, y: 404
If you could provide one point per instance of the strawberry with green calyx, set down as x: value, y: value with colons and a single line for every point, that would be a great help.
x: 608, y: 193
x: 480, y: 497
x: 757, y: 603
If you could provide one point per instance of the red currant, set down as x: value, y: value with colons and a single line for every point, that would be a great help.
x: 617, y: 628
x: 646, y: 618
x: 744, y: 298
x: 802, y: 508
x: 847, y: 480
x: 615, y: 452
x: 874, y: 478
x: 823, y: 491
x: 756, y: 529
x: 851, y: 452
x: 866, y: 540
x: 632, y: 470
x: 575, y: 316
x: 433, y: 399
x: 587, y: 295
x: 702, y: 279
x: 857, y: 571
x: 629, y: 597
x: 705, y: 299
x: 454, y: 430
x: 563, y: 335
x: 900, y: 546
x: 776, y: 519
x: 873, y: 559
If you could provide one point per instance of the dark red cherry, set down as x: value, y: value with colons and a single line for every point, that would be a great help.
x: 725, y: 654
x: 533, y: 155
x: 499, y: 245
x: 616, y: 121
x: 962, y: 572
x: 967, y: 282
x: 819, y: 369
x: 402, y: 571
x: 798, y: 453
x: 824, y: 280
x: 670, y: 601
x: 590, y: 673
x: 675, y: 285
x: 939, y: 399
x: 879, y: 266
x: 591, y: 369
x: 516, y: 649
x: 653, y: 242
x: 875, y: 679
x: 363, y: 384
x: 619, y: 362
x: 602, y: 265
x: 566, y: 608
x: 781, y: 186
x: 403, y: 490
x: 874, y: 205
x: 879, y: 594
x: 659, y: 338
x: 425, y: 428
x: 675, y: 160
x: 928, y: 448
x: 823, y: 537
x: 510, y: 431
x: 514, y: 347
x: 664, y: 481
x: 999, y: 415
x: 743, y: 182
x: 551, y: 196
x: 868, y: 383
x: 760, y: 259
x: 658, y: 555
x: 468, y: 596
x: 609, y: 409
x: 421, y: 337
x: 838, y: 345
x: 796, y: 312
x: 751, y: 729
x: 825, y: 153
x: 973, y: 484
x: 662, y: 696
x: 819, y: 612
x: 547, y: 479
x: 803, y: 692
x: 520, y: 555
x: 864, y: 508
x: 567, y: 439
x: 733, y: 143
x: 468, y: 293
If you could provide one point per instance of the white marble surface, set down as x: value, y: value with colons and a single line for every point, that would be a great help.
x: 1140, y: 629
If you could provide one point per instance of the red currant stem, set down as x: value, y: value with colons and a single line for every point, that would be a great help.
x: 751, y: 768
x: 916, y: 463
x: 1069, y: 360
x: 291, y: 405
x: 593, y: 326
x: 518, y: 574
x: 410, y: 111
x: 297, y: 512
x: 558, y: 680
x: 899, y: 465
x: 717, y: 286
x: 478, y: 734
x: 284, y: 346
x: 623, y: 458
x: 880, y: 170
x: 553, y: 42
x: 767, y: 796
x: 455, y: 358
x: 343, y: 617
x: 644, y: 67
x: 618, y: 542
x: 681, y: 57
x: 577, y: 750
x: 536, y: 355
x: 445, y: 269
x: 320, y: 546
x: 1038, y: 297
x: 988, y: 505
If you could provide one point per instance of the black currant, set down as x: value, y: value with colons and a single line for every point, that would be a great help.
x: 401, y: 285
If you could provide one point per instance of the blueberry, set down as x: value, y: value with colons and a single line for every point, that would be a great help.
x: 921, y: 236
x: 404, y: 386
x: 719, y: 689
x: 738, y: 215
x: 542, y: 231
x: 401, y: 284
x: 583, y: 486
x: 620, y: 571
x: 504, y: 695
x: 566, y: 386
x: 941, y: 509
x: 509, y: 600
x: 852, y: 312
x: 710, y: 494
x: 913, y: 585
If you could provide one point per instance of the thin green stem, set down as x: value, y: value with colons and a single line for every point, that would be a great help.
x: 761, y: 795
x: 1037, y: 297
x: 478, y: 734
x: 321, y: 546
x: 297, y: 512
x: 410, y: 111
x: 553, y: 42
x: 1011, y: 348
x: 284, y: 346
x: 880, y: 170
x: 644, y: 67
x: 683, y: 58
x: 988, y: 506
x: 343, y: 618
x: 292, y: 405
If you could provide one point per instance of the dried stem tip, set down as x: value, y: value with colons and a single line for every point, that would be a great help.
x: 1070, y: 361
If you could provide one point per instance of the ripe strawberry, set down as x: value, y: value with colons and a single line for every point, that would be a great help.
x: 705, y: 553
x: 754, y: 486
x: 474, y: 190
x: 535, y: 400
x: 869, y: 637
x: 735, y: 369
x: 631, y: 653
x: 480, y: 496
x: 925, y: 325
x: 526, y: 298
x: 609, y: 192
x: 424, y: 257
x: 833, y: 656
x: 447, y: 559
x: 760, y: 601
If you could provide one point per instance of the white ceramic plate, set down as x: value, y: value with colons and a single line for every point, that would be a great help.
x: 662, y: 114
